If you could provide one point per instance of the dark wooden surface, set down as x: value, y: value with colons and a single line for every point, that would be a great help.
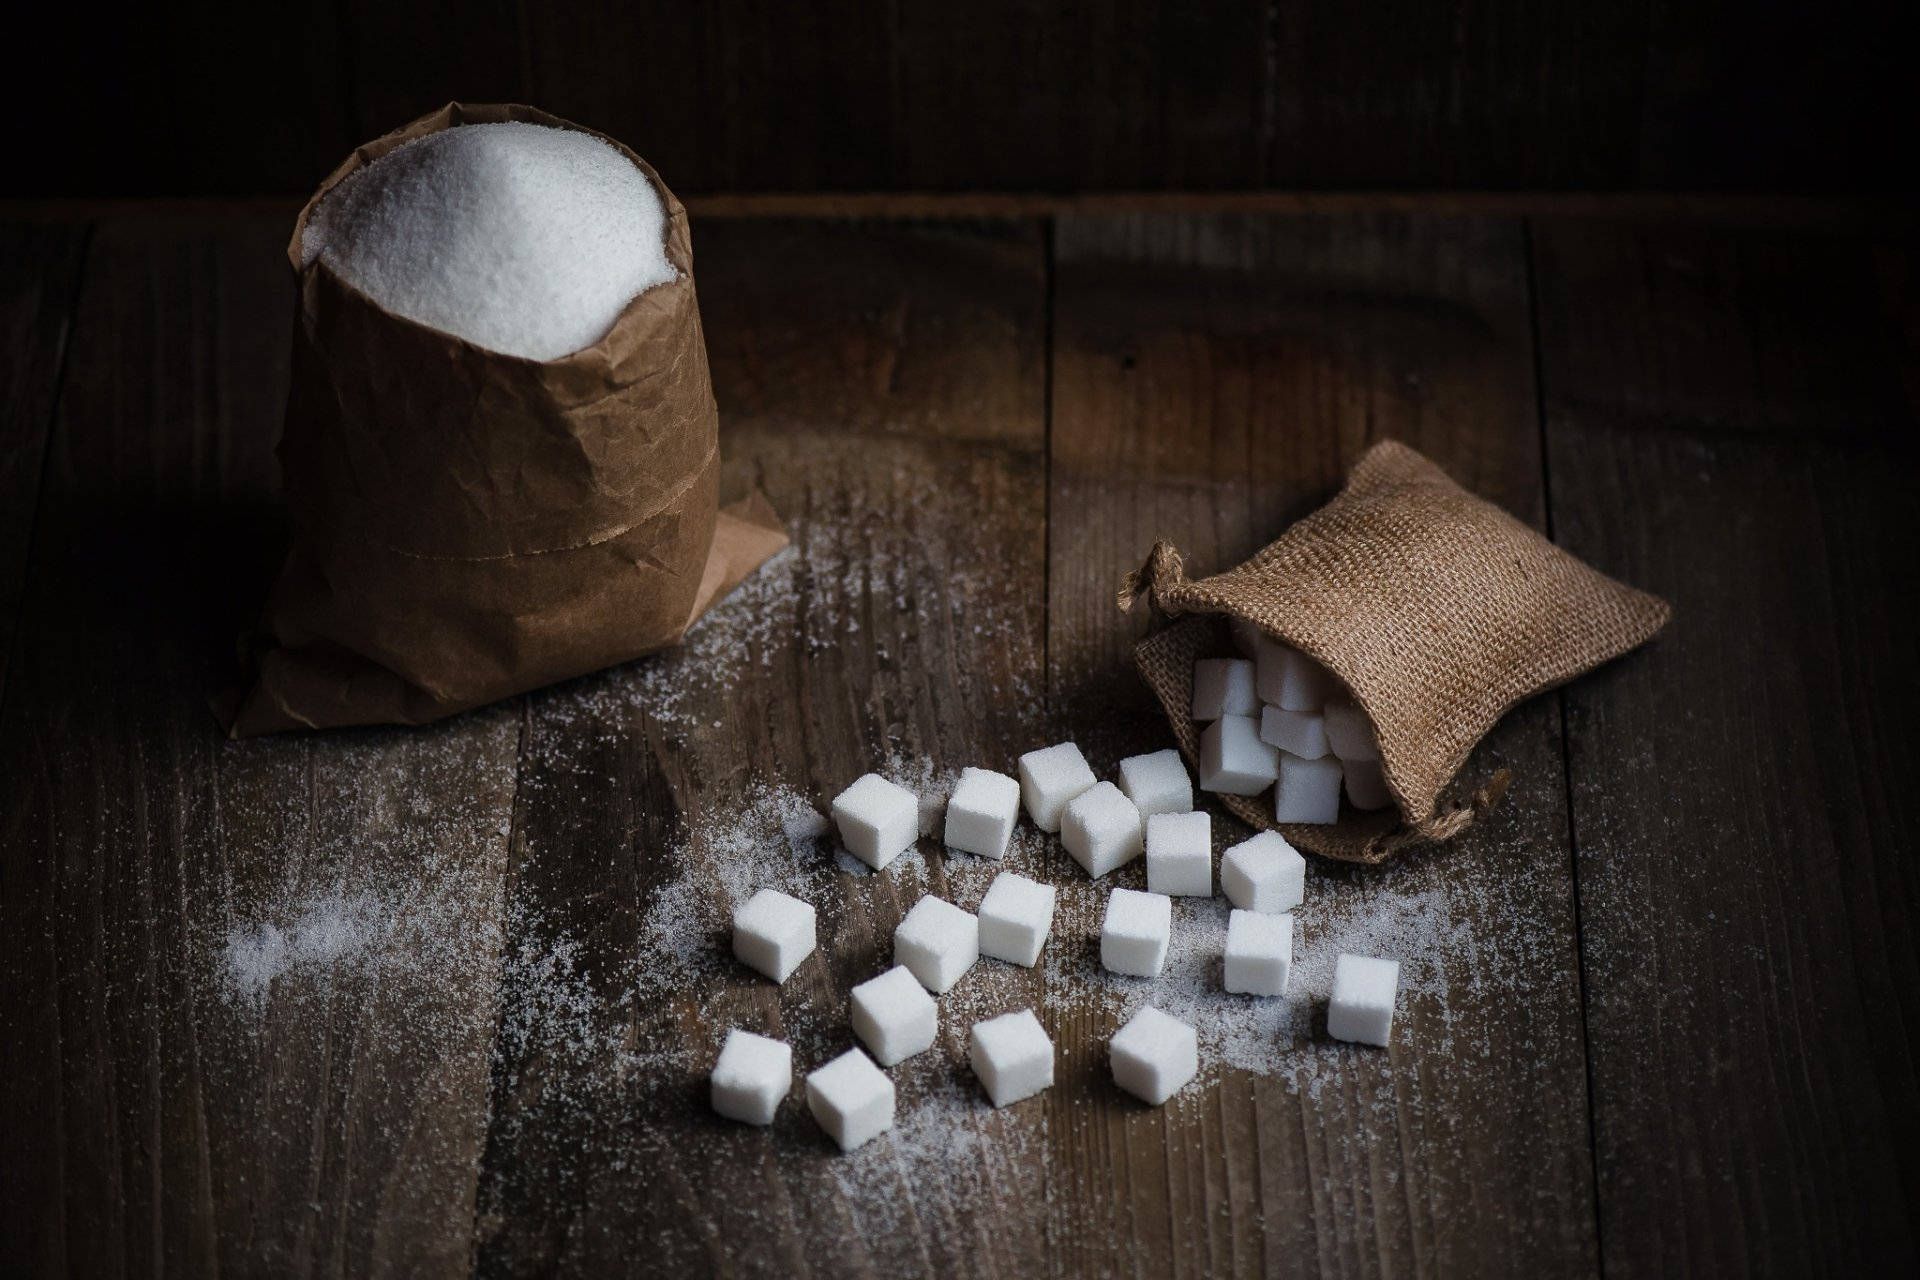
x: 220, y: 98
x: 1665, y: 1025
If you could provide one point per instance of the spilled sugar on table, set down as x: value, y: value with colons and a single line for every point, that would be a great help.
x: 440, y: 1001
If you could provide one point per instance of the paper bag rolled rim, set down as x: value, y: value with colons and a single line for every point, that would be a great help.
x: 679, y: 241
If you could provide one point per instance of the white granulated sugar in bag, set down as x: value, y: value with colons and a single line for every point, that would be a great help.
x: 520, y: 238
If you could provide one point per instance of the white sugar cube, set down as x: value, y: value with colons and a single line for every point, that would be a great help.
x: 1223, y: 687
x: 1247, y: 636
x: 1102, y: 829
x: 1135, y: 933
x: 1012, y: 1056
x: 1180, y: 854
x: 981, y: 814
x: 1157, y: 782
x: 851, y: 1098
x: 1349, y: 732
x: 1366, y: 784
x: 1259, y: 953
x: 938, y: 941
x: 1015, y: 917
x: 1233, y: 760
x: 1050, y: 779
x: 752, y: 1077
x: 1154, y: 1055
x: 894, y: 1016
x: 773, y: 932
x: 1361, y: 1009
x: 1309, y: 790
x: 1290, y: 679
x: 1298, y: 733
x: 1264, y: 874
x: 878, y: 820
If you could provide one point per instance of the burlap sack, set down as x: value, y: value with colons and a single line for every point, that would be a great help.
x: 1437, y: 609
x: 470, y: 525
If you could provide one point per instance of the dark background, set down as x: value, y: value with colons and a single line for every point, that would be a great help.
x: 245, y: 99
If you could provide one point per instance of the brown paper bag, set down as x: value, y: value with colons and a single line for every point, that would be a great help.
x: 1437, y: 609
x: 470, y: 525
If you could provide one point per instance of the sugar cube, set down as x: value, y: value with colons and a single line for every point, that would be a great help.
x: 1309, y: 790
x: 1012, y: 1056
x: 1298, y: 733
x: 1180, y: 854
x: 878, y: 820
x: 981, y: 814
x: 1290, y: 679
x: 1233, y: 760
x: 1361, y: 1009
x: 851, y: 1098
x: 1264, y: 874
x: 1102, y: 829
x: 1154, y: 1055
x: 1157, y: 782
x: 1366, y: 784
x: 773, y: 932
x: 894, y: 1016
x: 938, y: 941
x: 1050, y: 779
x: 1135, y: 933
x: 752, y: 1077
x: 1247, y: 636
x: 1259, y: 953
x: 1223, y: 687
x: 1015, y: 918
x: 1349, y: 732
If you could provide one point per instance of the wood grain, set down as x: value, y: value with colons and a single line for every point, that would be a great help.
x: 39, y: 264
x: 158, y: 1113
x: 884, y: 385
x: 1213, y: 380
x: 213, y: 97
x: 1728, y: 426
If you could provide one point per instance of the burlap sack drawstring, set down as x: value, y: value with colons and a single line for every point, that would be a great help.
x: 1438, y: 612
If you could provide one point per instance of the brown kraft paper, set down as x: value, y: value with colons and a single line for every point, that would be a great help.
x: 469, y: 525
x: 1436, y: 609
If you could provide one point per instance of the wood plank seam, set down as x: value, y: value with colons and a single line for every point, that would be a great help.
x: 1566, y: 753
x: 45, y: 461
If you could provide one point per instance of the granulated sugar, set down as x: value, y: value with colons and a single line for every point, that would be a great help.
x: 520, y: 238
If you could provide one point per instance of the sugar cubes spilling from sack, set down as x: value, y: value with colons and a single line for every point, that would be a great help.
x: 520, y: 238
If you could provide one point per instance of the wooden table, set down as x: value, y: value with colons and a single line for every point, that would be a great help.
x: 1669, y: 1026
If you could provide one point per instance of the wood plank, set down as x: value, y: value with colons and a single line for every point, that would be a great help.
x: 884, y: 384
x: 248, y: 986
x: 1729, y: 425
x: 1214, y: 378
x: 39, y: 264
x: 405, y: 60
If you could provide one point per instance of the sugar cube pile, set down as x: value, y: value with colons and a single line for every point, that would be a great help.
x: 520, y: 238
x: 1300, y: 734
x: 895, y: 1015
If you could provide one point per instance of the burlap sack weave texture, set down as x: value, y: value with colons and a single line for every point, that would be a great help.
x: 1439, y: 612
